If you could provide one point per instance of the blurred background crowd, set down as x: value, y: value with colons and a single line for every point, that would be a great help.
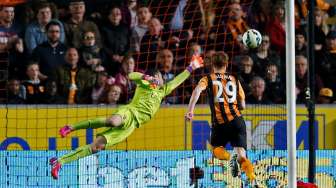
x: 81, y: 51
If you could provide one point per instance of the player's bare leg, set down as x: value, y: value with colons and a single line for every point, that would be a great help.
x: 245, y: 164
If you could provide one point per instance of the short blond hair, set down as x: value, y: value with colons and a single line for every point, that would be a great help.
x: 220, y: 59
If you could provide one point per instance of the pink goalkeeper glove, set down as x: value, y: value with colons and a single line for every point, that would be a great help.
x: 195, y: 63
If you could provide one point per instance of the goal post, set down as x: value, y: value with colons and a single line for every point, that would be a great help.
x: 290, y: 93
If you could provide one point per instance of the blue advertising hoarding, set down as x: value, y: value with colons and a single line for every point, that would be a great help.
x: 141, y: 169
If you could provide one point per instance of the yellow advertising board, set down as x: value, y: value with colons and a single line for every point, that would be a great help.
x: 36, y: 128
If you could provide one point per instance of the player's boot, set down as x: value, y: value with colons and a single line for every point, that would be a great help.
x: 56, y: 167
x: 247, y: 167
x: 64, y: 131
x: 234, y: 166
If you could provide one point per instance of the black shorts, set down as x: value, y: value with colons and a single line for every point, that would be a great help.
x: 233, y: 132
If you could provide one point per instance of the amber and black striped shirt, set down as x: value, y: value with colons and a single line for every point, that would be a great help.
x: 225, y: 94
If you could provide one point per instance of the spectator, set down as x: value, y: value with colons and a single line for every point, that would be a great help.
x: 128, y: 86
x: 321, y: 29
x: 157, y: 38
x: 91, y: 54
x: 177, y: 21
x: 246, y: 73
x: 300, y: 13
x: 325, y: 96
x: 194, y: 50
x: 16, y: 59
x: 114, y: 95
x: 257, y: 95
x: 35, y: 33
x: 234, y: 27
x: 52, y: 95
x: 10, y: 33
x: 301, y: 70
x: 264, y: 56
x: 327, y: 69
x: 301, y: 10
x: 132, y: 6
x: 151, y: 43
x: 14, y: 95
x: 128, y: 12
x: 34, y: 88
x: 276, y: 28
x: 164, y: 61
x: 275, y: 86
x: 11, y: 41
x: 259, y: 14
x: 194, y: 18
x: 50, y: 54
x: 165, y: 10
x: 144, y: 15
x: 300, y: 42
x: 74, y: 82
x: 76, y: 26
x: 116, y: 40
x: 100, y: 88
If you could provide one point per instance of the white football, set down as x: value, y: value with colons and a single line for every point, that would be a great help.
x: 252, y: 38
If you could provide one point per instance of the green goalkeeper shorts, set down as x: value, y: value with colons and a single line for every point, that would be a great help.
x: 114, y: 135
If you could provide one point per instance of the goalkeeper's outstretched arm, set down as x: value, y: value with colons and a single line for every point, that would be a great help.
x: 136, y: 77
x: 196, y: 62
x: 143, y: 79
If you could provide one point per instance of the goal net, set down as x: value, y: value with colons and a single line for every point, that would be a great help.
x: 163, y: 152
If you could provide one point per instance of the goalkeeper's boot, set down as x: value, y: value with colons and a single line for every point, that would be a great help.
x: 64, y: 131
x: 247, y: 167
x: 221, y: 154
x: 56, y: 167
x: 234, y: 166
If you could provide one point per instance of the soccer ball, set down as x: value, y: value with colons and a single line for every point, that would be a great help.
x: 252, y: 38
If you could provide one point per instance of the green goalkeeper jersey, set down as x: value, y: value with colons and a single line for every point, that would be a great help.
x: 147, y: 100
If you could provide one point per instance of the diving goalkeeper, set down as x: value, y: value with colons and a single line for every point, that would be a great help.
x: 147, y: 98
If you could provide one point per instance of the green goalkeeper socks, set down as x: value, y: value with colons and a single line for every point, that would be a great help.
x: 75, y: 155
x: 92, y: 123
x: 84, y: 150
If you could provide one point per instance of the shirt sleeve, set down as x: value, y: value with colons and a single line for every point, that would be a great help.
x: 323, y: 5
x: 30, y: 40
x: 178, y: 80
x: 137, y: 78
x: 62, y: 37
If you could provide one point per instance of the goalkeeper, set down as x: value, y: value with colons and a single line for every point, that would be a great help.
x: 145, y: 103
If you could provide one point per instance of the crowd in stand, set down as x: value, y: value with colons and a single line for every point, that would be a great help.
x: 81, y: 52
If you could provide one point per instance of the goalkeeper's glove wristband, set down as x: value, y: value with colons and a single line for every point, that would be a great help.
x: 189, y: 68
